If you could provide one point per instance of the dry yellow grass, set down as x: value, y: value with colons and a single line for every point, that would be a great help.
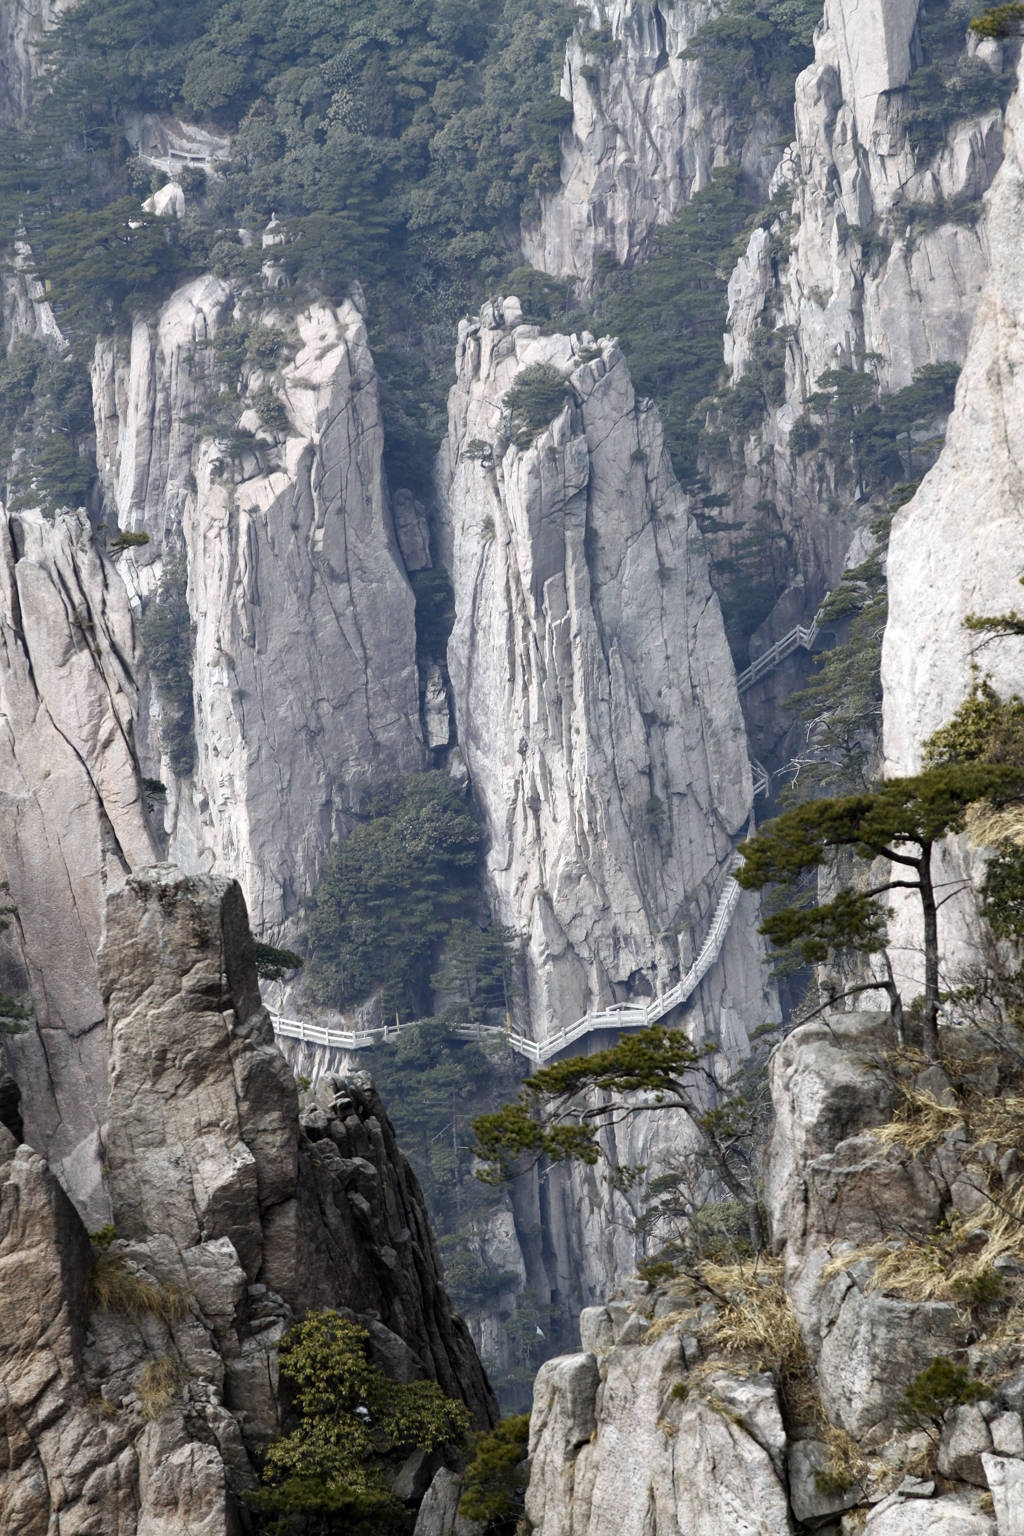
x: 114, y: 1286
x: 987, y: 826
x: 921, y: 1121
x: 845, y: 1466
x: 754, y: 1320
x: 160, y: 1381
x: 954, y: 1264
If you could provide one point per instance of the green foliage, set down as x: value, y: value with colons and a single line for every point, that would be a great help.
x: 544, y: 299
x: 942, y: 1385
x: 128, y: 540
x: 273, y: 963
x: 536, y: 397
x: 1001, y: 21
x: 899, y: 821
x: 984, y: 729
x: 100, y: 266
x: 654, y: 812
x: 562, y: 1108
x: 390, y: 893
x: 397, y: 143
x: 754, y: 50
x: 947, y: 86
x: 1002, y: 893
x: 477, y: 974
x: 331, y: 1467
x: 494, y: 1482
x: 751, y: 575
x: 685, y: 279
x: 271, y: 410
x: 883, y: 439
x: 842, y: 702
x: 434, y: 1082
x: 167, y: 642
x: 45, y: 425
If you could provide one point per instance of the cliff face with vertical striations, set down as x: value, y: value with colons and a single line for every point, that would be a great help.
x: 647, y: 130
x: 958, y: 548
x: 304, y: 674
x: 884, y: 257
x: 73, y: 819
x: 139, y: 1381
x: 594, y: 694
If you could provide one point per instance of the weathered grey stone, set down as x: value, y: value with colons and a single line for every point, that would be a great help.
x: 806, y: 1460
x: 943, y: 564
x: 214, y: 1186
x: 873, y: 1345
x: 1007, y: 1431
x: 645, y: 135
x: 304, y: 671
x: 906, y: 302
x: 929, y: 1517
x: 438, y: 1514
x: 203, y: 1127
x: 72, y: 821
x: 825, y: 1178
x: 1005, y: 1478
x: 617, y: 693
x: 702, y: 1464
x: 965, y: 1439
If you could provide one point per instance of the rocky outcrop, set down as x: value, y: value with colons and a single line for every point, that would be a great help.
x: 597, y: 717
x: 615, y: 1448
x: 22, y: 23
x: 958, y: 548
x: 646, y: 133
x: 768, y: 1397
x: 73, y: 820
x: 594, y: 693
x: 885, y: 252
x: 304, y: 673
x: 137, y: 1380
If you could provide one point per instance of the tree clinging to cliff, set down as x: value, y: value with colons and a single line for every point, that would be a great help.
x: 901, y: 821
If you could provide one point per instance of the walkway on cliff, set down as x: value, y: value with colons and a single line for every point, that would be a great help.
x: 631, y: 1015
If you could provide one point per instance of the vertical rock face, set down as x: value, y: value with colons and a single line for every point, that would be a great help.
x: 874, y: 280
x: 22, y: 23
x: 203, y: 1132
x: 678, y: 1415
x: 72, y: 818
x: 911, y: 299
x: 304, y: 673
x: 132, y: 1400
x: 594, y: 693
x: 646, y: 133
x: 958, y: 547
x: 204, y: 1141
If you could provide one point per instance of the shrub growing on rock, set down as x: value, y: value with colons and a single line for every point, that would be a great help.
x: 534, y: 400
x: 329, y: 1472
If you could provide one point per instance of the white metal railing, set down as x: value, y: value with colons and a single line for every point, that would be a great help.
x: 802, y: 635
x: 614, y: 1016
x: 761, y: 777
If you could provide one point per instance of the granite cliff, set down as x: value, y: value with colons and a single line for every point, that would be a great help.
x: 140, y: 1375
x: 770, y: 1397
